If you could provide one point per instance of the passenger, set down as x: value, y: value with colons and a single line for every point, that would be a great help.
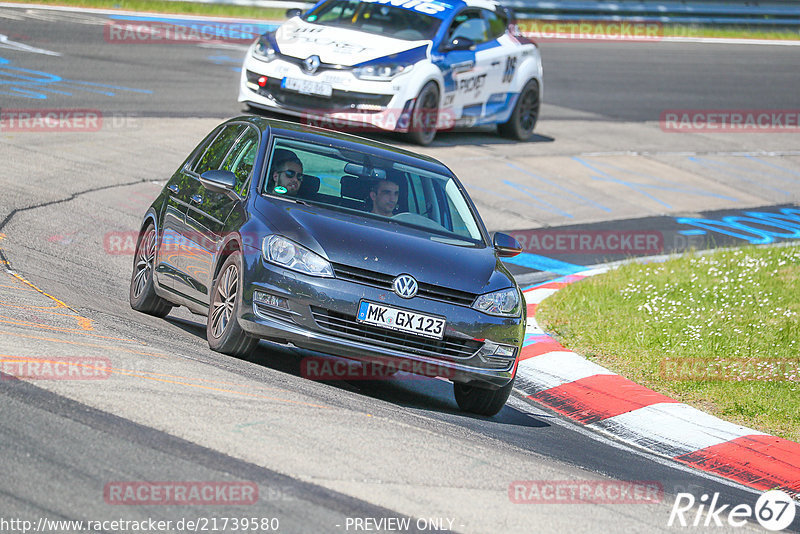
x: 287, y: 173
x: 384, y: 195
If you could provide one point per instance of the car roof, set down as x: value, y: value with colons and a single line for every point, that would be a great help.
x: 284, y: 128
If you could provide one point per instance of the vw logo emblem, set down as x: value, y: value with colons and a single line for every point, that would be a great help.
x: 311, y: 64
x: 405, y: 286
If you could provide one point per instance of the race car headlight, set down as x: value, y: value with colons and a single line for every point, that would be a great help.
x: 264, y: 50
x: 504, y: 303
x: 281, y: 251
x: 381, y: 72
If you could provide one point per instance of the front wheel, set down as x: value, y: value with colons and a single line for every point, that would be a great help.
x: 526, y: 112
x: 425, y: 115
x: 222, y: 329
x: 481, y: 401
x: 142, y: 294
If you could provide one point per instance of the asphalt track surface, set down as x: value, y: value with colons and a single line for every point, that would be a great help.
x: 320, y: 453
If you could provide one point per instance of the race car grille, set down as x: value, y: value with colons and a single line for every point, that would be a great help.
x: 338, y: 101
x: 384, y: 281
x: 344, y: 325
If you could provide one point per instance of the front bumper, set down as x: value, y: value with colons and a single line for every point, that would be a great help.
x: 376, y: 105
x: 321, y: 317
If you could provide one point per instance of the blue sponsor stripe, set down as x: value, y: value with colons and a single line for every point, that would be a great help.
x: 543, y: 263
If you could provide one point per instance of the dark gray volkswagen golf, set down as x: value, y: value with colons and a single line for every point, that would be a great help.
x: 336, y: 244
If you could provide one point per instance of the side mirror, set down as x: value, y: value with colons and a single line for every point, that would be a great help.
x: 505, y: 245
x: 293, y: 12
x: 459, y: 43
x: 218, y: 181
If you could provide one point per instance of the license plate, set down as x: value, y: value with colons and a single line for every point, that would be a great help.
x: 401, y: 320
x: 307, y: 87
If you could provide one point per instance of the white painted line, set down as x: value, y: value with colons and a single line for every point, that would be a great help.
x: 5, y: 42
x: 553, y: 369
x: 535, y: 296
x: 671, y: 429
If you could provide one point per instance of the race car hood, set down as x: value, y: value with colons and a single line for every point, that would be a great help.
x: 338, y: 46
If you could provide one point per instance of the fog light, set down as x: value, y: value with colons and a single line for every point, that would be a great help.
x: 505, y: 351
x: 270, y: 300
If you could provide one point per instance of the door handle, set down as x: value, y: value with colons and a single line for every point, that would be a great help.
x: 197, y: 199
x: 495, y: 63
x: 174, y: 188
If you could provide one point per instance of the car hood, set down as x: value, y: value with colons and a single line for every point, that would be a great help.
x: 388, y: 248
x: 338, y: 46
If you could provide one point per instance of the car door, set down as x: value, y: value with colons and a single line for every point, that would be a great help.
x: 468, y: 72
x: 208, y: 211
x: 502, y: 56
x: 178, y: 190
x: 191, y: 257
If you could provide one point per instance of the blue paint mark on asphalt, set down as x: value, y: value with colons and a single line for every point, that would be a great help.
x: 739, y: 173
x: 778, y: 167
x: 531, y: 339
x: 640, y: 187
x: 586, y: 200
x: 692, y: 232
x: 27, y: 83
x: 501, y: 195
x: 763, y: 227
x: 543, y: 263
x: 548, y: 206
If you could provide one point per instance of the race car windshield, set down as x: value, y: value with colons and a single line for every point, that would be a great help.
x: 379, y: 188
x: 391, y: 21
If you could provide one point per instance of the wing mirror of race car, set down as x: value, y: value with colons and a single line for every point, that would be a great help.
x: 293, y: 12
x: 505, y: 245
x: 218, y: 181
x: 459, y: 43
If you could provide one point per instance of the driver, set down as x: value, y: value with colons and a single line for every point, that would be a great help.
x: 384, y: 195
x: 287, y: 172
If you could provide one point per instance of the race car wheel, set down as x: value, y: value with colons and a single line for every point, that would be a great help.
x: 481, y: 401
x: 422, y: 129
x: 142, y: 294
x: 222, y: 329
x: 523, y: 119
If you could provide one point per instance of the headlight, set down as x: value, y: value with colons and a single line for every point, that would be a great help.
x: 504, y: 303
x: 264, y: 50
x: 381, y: 72
x: 277, y: 249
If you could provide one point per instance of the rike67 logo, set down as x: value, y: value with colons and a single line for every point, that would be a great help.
x: 774, y: 510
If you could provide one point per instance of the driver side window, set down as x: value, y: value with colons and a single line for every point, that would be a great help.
x: 470, y: 24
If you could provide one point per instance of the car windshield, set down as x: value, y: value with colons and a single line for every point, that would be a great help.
x: 374, y: 187
x: 388, y: 20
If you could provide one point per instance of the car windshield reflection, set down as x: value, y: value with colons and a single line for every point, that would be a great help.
x: 372, y: 187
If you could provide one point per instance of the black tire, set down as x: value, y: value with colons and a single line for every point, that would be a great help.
x: 481, y: 401
x: 222, y: 328
x: 424, y: 116
x: 142, y: 294
x: 526, y: 112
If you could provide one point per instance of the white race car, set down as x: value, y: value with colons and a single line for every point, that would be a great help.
x: 411, y: 66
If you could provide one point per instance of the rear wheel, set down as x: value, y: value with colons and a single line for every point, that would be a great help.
x: 142, y: 294
x: 481, y: 401
x: 425, y: 115
x: 526, y: 112
x: 222, y: 329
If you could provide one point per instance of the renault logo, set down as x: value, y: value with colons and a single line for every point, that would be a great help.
x: 311, y: 64
x: 405, y: 286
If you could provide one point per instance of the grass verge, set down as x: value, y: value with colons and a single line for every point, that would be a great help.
x: 179, y: 8
x: 719, y: 331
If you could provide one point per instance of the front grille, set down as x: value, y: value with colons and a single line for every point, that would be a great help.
x: 344, y: 325
x: 384, y: 281
x: 338, y: 101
